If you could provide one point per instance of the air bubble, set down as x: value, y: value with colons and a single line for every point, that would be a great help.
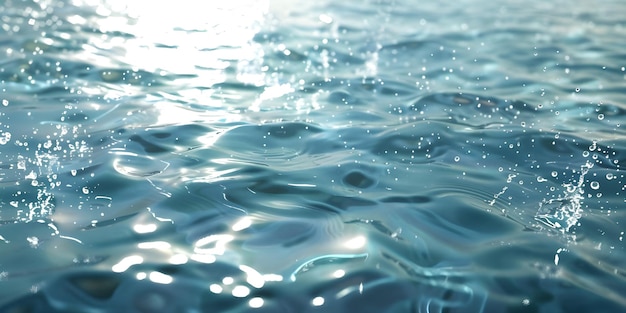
x: 600, y: 116
x: 595, y: 185
x: 457, y: 158
x: 593, y: 146
x: 554, y: 174
x: 609, y: 176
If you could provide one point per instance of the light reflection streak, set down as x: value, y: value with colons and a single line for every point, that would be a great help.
x: 203, y: 258
x: 160, y: 219
x: 339, y: 273
x: 312, y: 261
x: 356, y: 242
x: 160, y: 278
x: 255, y: 279
x: 216, y: 288
x: 218, y: 241
x: 65, y: 237
x: 317, y: 301
x: 178, y: 259
x: 272, y: 277
x: 126, y: 263
x: 144, y: 228
x: 302, y: 185
x: 157, y: 245
x: 242, y: 224
x: 256, y: 302
x: 240, y: 291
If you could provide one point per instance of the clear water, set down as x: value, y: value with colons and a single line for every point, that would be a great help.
x: 312, y: 156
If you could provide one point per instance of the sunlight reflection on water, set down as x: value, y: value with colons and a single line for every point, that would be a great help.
x: 295, y: 155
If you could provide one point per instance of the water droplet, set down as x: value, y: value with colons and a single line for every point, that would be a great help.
x: 595, y: 185
x: 457, y: 158
x: 609, y: 176
x: 600, y: 116
x: 593, y: 146
x: 85, y: 190
x: 5, y: 137
x: 554, y: 174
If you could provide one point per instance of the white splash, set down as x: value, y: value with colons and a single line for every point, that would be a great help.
x: 564, y: 212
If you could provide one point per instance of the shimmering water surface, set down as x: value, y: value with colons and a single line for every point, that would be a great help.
x: 312, y: 156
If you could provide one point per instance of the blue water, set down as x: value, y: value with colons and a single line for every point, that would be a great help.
x: 312, y: 156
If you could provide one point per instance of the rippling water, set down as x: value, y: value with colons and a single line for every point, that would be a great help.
x: 297, y: 156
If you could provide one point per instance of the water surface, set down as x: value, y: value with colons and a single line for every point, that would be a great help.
x: 290, y: 156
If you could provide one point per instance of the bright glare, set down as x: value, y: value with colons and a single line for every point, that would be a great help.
x: 317, y: 301
x: 242, y: 224
x: 157, y: 245
x: 160, y: 278
x: 241, y: 291
x: 144, y: 228
x: 228, y: 280
x: 192, y: 28
x: 272, y: 277
x: 255, y: 279
x: 216, y: 289
x: 218, y: 242
x: 356, y: 242
x: 126, y: 263
x: 339, y: 273
x: 256, y: 302
x: 203, y: 258
x: 141, y: 276
x: 178, y: 259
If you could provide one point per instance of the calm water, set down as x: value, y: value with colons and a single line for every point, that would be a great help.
x: 312, y: 156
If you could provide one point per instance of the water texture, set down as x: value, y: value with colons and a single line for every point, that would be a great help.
x: 292, y: 156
